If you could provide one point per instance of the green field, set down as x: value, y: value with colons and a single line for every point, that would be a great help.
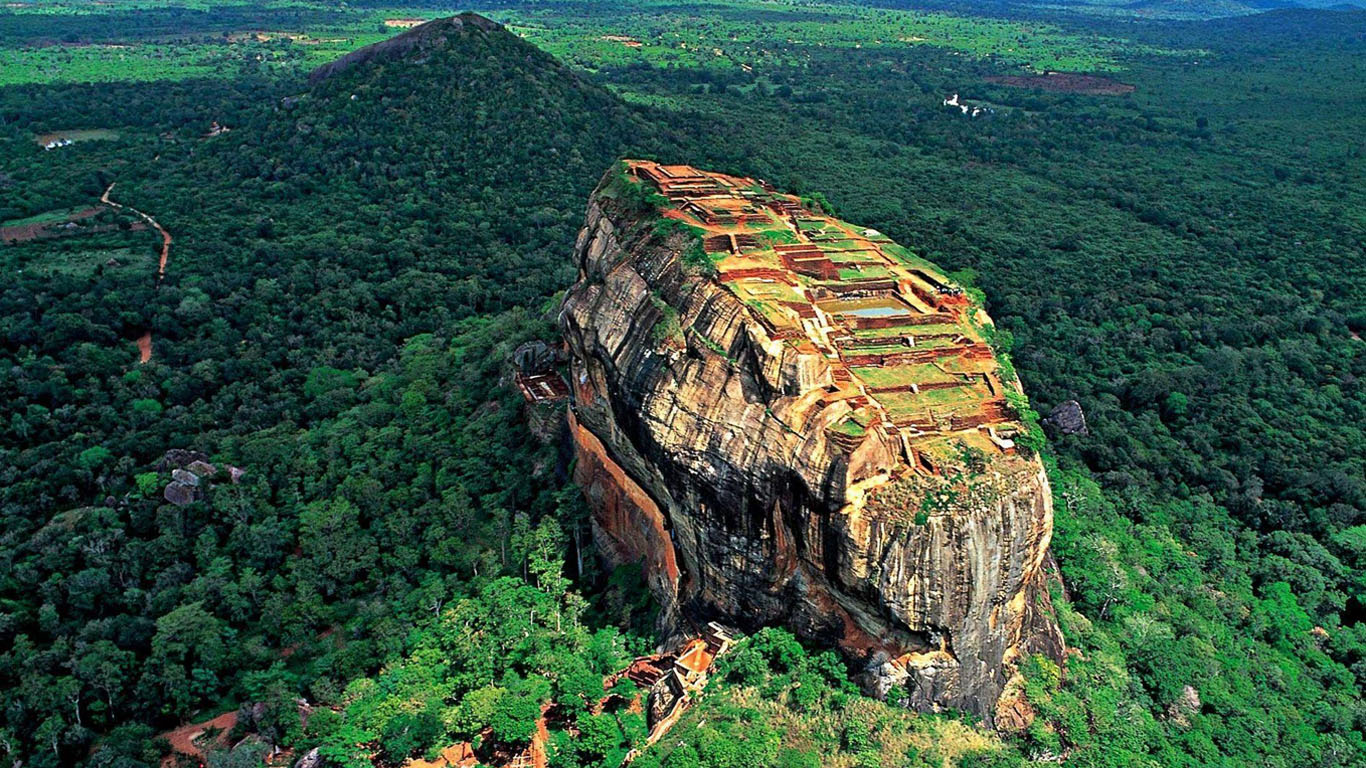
x: 45, y: 217
x: 711, y: 36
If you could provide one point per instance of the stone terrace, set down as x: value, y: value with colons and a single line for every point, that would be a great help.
x: 902, y: 340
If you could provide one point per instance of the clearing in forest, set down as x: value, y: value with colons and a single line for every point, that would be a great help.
x: 1066, y: 82
x: 72, y: 136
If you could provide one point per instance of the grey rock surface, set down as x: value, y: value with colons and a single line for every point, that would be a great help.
x: 1067, y: 418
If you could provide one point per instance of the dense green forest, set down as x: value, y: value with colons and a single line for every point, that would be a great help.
x: 356, y: 259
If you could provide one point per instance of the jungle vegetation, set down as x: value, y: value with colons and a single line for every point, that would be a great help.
x: 355, y: 260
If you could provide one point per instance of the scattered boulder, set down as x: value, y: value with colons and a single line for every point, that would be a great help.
x: 882, y: 676
x: 181, y: 494
x: 311, y: 759
x: 1068, y: 418
x: 202, y: 468
x: 191, y: 473
x: 179, y: 458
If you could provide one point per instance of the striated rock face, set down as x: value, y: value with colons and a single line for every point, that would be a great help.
x: 764, y: 471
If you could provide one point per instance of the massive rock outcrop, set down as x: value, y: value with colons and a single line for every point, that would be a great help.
x: 791, y: 420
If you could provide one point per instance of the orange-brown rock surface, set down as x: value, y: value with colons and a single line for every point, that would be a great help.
x: 759, y: 482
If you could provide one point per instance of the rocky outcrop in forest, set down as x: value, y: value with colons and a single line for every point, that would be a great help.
x: 768, y: 464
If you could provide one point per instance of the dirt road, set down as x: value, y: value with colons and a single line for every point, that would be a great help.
x: 145, y: 341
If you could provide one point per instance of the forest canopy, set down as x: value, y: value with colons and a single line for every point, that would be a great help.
x: 355, y: 260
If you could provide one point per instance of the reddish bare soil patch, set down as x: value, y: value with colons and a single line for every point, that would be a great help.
x: 455, y: 756
x: 1065, y: 82
x: 187, y: 739
x: 145, y: 347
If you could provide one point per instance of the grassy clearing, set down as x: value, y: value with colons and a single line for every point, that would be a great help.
x: 82, y: 261
x: 46, y: 217
x: 901, y: 375
x: 851, y: 428
x: 772, y: 237
x: 77, y: 135
x: 866, y: 273
x: 908, y: 402
x: 147, y: 62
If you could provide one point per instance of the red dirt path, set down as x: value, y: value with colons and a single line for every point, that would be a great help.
x: 165, y: 236
x: 145, y: 340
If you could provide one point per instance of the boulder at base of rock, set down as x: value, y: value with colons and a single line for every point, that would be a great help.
x: 534, y: 357
x: 1068, y: 418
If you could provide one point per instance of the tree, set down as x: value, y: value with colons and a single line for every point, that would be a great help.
x: 684, y: 756
x: 106, y: 668
x: 409, y: 734
x: 275, y: 716
x: 599, y: 737
x: 338, y: 549
x: 513, y: 718
x: 188, y: 652
x: 577, y: 686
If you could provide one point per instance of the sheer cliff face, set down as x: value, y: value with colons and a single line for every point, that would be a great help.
x: 781, y: 458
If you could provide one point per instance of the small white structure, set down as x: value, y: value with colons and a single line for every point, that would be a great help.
x: 971, y: 110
